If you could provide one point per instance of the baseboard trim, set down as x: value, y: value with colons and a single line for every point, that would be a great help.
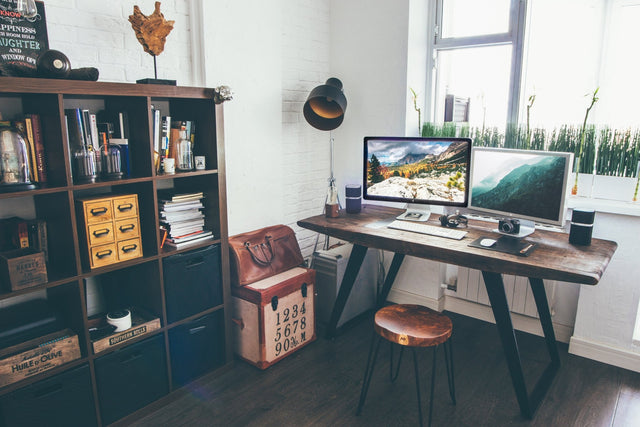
x: 604, y: 353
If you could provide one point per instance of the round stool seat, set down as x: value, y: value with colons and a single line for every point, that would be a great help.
x: 412, y: 325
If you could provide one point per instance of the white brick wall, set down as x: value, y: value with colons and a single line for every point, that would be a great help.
x: 305, y: 65
x: 97, y: 33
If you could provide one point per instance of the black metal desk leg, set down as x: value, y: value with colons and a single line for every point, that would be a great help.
x: 500, y: 306
x: 353, y: 268
x: 529, y: 403
x: 391, y: 277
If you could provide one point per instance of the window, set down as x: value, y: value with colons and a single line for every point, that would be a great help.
x: 529, y: 71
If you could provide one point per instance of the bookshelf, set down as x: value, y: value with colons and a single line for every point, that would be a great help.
x: 80, y: 293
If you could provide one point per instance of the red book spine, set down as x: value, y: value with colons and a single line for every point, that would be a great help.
x: 41, y: 165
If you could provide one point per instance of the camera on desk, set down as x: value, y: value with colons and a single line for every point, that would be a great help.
x: 509, y: 225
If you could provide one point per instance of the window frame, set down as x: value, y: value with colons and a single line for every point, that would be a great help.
x: 514, y: 37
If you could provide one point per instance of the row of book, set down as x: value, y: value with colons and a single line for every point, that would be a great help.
x: 166, y: 134
x: 19, y: 233
x: 97, y: 132
x: 31, y: 129
x: 182, y: 219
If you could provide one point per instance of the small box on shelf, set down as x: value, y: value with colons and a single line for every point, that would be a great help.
x: 37, y: 355
x: 22, y: 268
x: 142, y: 323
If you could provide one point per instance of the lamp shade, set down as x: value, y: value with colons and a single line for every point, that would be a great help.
x: 326, y: 105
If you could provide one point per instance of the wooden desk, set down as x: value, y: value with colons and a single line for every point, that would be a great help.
x: 553, y: 259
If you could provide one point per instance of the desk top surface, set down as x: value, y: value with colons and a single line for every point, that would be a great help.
x: 554, y: 258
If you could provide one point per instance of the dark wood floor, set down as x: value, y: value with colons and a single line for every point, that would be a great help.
x: 320, y: 385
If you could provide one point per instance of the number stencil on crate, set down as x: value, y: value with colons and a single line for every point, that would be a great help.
x: 274, y: 317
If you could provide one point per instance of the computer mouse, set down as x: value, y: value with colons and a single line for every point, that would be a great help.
x: 487, y: 243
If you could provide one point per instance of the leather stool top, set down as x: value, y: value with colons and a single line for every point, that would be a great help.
x: 412, y: 325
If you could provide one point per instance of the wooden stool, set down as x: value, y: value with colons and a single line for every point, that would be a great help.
x: 410, y: 326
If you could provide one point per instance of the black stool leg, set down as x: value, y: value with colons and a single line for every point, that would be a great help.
x: 448, y: 359
x: 368, y: 372
x: 433, y: 382
x: 391, y: 376
x: 417, y: 375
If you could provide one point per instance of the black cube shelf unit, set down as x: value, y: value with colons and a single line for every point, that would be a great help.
x: 191, y: 341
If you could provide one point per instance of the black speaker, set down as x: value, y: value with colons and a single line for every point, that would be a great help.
x: 352, y: 195
x: 581, y: 226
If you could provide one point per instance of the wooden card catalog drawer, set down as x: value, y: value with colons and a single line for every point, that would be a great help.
x: 103, y: 255
x: 128, y: 249
x: 125, y: 206
x: 98, y: 211
x: 127, y: 228
x: 101, y: 233
x: 111, y: 229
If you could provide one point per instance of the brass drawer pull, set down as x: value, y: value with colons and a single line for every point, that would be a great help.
x: 104, y: 254
x: 129, y: 248
x: 125, y: 207
x: 125, y: 228
x: 99, y: 211
x: 99, y: 233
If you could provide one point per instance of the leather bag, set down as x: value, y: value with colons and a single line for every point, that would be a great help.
x: 259, y: 254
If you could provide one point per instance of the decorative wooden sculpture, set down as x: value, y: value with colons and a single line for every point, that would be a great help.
x: 151, y: 31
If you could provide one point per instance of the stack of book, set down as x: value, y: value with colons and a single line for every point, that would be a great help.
x: 182, y: 220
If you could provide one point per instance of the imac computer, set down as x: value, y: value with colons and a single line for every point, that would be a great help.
x: 520, y: 187
x: 417, y: 171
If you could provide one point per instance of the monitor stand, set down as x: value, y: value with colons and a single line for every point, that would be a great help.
x: 416, y: 212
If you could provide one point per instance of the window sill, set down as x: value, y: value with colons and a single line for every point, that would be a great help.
x: 604, y: 206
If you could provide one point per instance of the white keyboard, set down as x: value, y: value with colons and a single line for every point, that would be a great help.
x: 433, y: 230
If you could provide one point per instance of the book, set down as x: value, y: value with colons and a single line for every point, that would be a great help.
x: 193, y: 242
x: 74, y: 126
x: 190, y: 236
x: 182, y: 206
x: 157, y: 138
x: 38, y: 143
x: 181, y: 215
x: 171, y: 197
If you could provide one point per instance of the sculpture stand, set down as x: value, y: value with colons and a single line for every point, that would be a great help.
x: 156, y: 80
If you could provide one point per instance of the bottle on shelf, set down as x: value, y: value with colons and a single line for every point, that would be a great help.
x: 184, y: 154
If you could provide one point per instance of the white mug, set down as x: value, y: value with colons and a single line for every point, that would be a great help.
x: 169, y: 165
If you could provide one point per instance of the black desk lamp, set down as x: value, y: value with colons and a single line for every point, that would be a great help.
x: 324, y: 110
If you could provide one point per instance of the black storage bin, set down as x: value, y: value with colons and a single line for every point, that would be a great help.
x: 63, y: 400
x: 196, y: 347
x: 131, y: 378
x: 192, y: 282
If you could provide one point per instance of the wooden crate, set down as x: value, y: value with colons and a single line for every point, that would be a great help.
x: 142, y: 323
x: 22, y: 268
x: 38, y: 355
x: 274, y: 317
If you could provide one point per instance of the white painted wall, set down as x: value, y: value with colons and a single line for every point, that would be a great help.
x: 607, y: 312
x: 95, y: 33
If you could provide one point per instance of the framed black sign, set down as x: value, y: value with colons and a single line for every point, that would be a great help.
x: 23, y: 37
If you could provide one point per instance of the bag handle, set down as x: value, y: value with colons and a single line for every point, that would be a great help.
x: 264, y: 257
